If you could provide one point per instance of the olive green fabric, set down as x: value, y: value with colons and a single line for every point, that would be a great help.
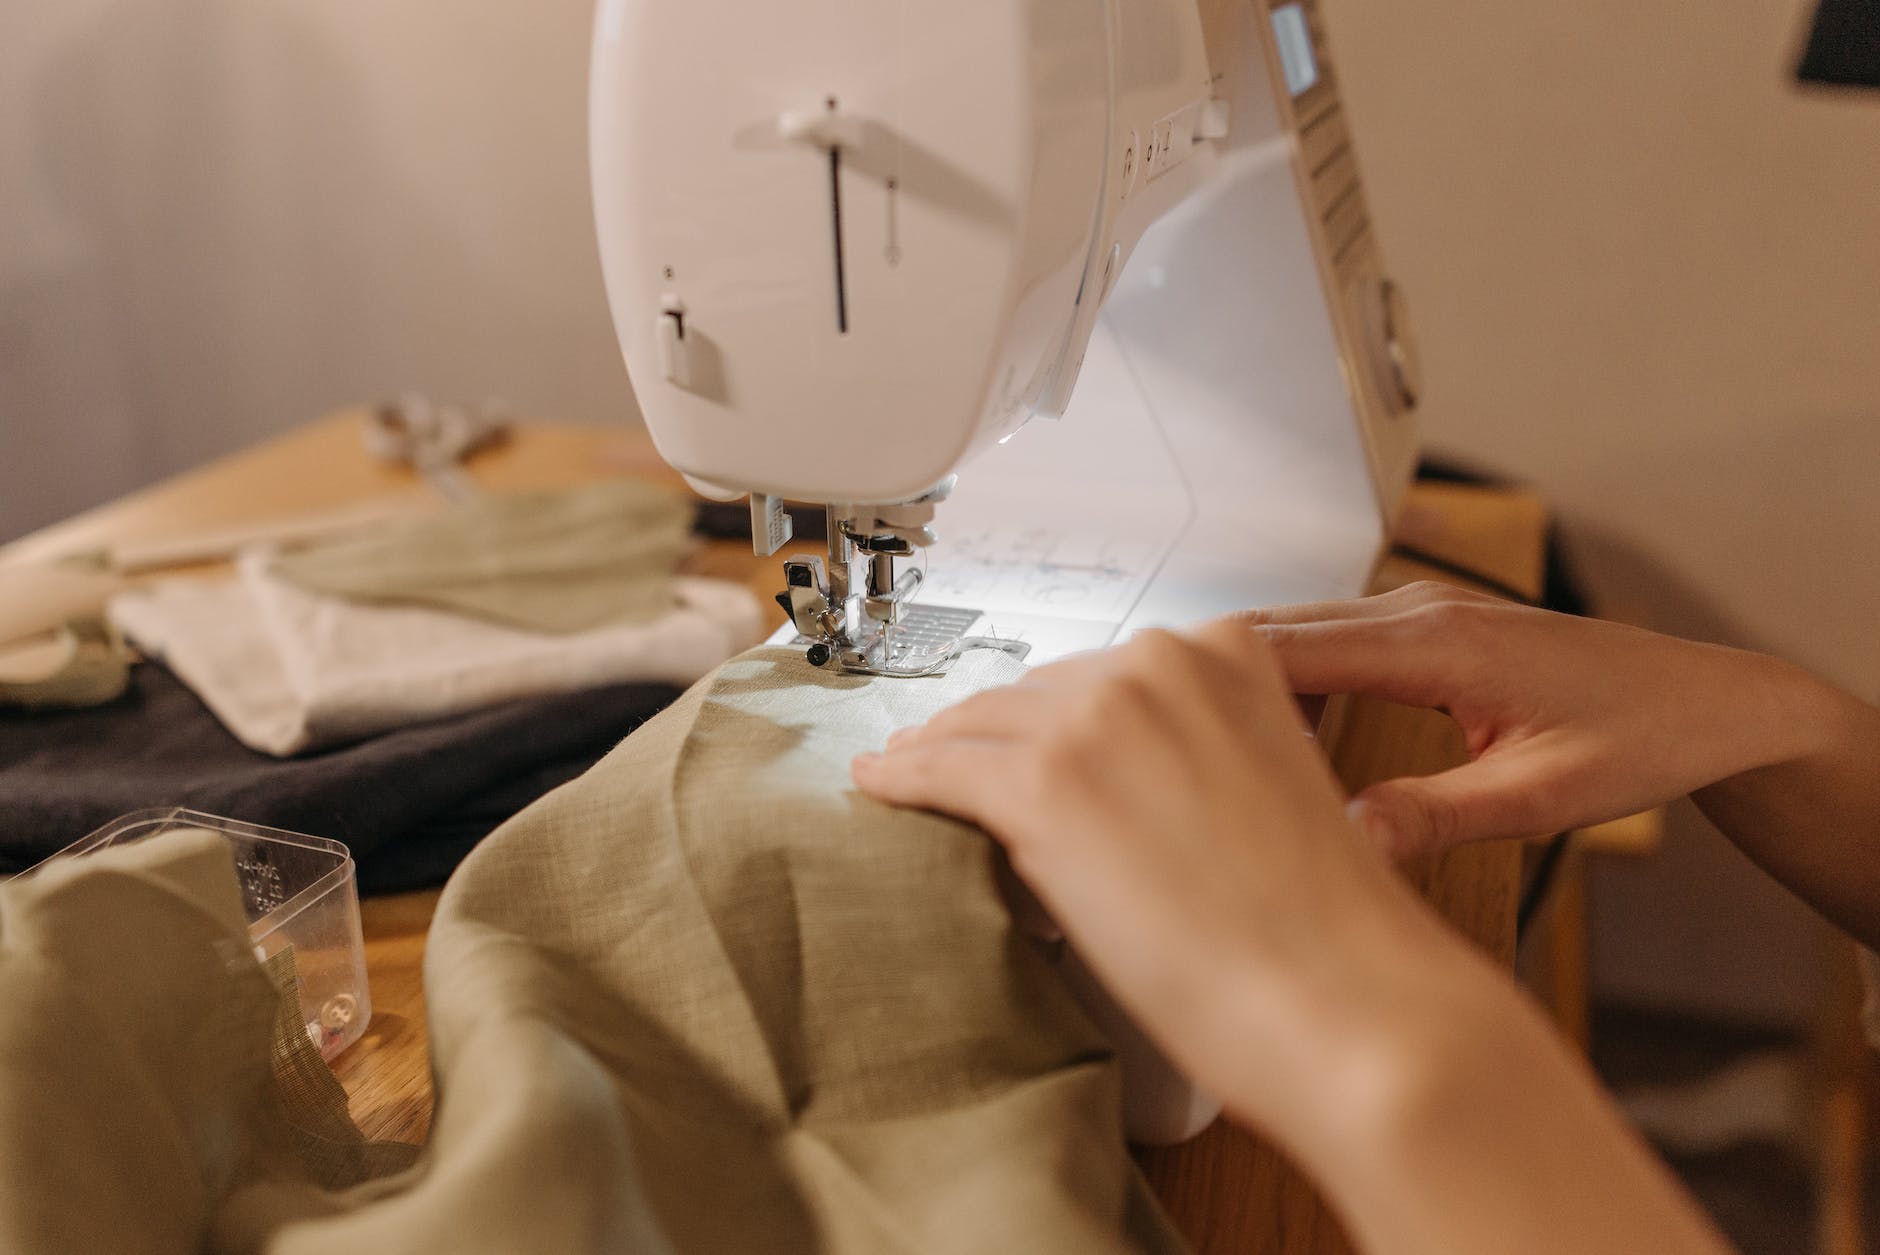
x: 562, y: 561
x: 704, y: 999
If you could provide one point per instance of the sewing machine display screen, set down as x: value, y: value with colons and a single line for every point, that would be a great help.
x: 1295, y: 48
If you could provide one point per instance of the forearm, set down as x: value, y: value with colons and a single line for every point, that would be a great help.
x: 1498, y: 1140
x: 1812, y: 819
x: 1445, y: 1116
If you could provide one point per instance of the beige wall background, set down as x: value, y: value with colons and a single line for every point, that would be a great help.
x: 221, y: 217
x: 1645, y: 270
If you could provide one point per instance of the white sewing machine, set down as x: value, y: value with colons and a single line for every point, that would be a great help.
x: 851, y: 247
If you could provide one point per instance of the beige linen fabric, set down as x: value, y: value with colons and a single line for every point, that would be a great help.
x: 806, y: 1018
x: 563, y: 561
x: 84, y: 663
x: 705, y: 1000
x: 150, y: 1070
x: 287, y: 671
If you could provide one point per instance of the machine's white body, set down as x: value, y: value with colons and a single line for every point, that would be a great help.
x: 983, y: 166
x: 1231, y: 439
x: 1213, y: 457
x: 851, y: 247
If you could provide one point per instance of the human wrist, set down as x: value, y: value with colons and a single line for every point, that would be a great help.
x: 1482, y: 1131
x: 1782, y: 714
x: 1827, y: 724
x: 1346, y: 1032
x: 1403, y: 1068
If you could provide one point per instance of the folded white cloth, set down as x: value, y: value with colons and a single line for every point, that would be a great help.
x: 287, y: 670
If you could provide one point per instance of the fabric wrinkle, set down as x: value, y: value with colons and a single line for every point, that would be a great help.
x: 703, y: 999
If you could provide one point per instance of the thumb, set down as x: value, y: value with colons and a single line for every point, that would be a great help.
x: 1477, y: 801
x: 1405, y: 818
x: 1373, y: 821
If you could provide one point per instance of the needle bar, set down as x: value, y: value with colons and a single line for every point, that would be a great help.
x: 835, y: 207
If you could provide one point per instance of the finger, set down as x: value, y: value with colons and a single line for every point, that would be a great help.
x: 1320, y: 611
x: 957, y: 777
x: 1005, y: 711
x: 1072, y: 671
x: 1396, y: 601
x: 1517, y: 795
x: 1396, y: 658
x: 1403, y: 655
x: 1251, y: 677
x: 1234, y: 698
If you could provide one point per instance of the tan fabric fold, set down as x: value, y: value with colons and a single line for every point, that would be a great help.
x: 150, y: 1069
x: 808, y: 1020
x: 562, y: 561
x: 705, y: 999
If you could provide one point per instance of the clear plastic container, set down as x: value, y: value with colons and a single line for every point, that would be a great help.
x: 298, y: 891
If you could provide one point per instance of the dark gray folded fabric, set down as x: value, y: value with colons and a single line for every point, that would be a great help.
x: 425, y: 857
x: 409, y: 804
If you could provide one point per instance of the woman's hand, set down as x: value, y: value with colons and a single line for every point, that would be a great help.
x: 1166, y: 803
x: 1569, y: 721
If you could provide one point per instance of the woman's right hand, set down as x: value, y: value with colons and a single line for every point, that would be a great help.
x: 1569, y: 721
x: 1163, y: 801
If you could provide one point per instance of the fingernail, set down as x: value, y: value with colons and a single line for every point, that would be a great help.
x: 865, y: 761
x: 1369, y: 820
x: 901, y: 737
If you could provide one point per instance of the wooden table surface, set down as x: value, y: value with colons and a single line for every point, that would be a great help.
x: 1226, y: 1189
